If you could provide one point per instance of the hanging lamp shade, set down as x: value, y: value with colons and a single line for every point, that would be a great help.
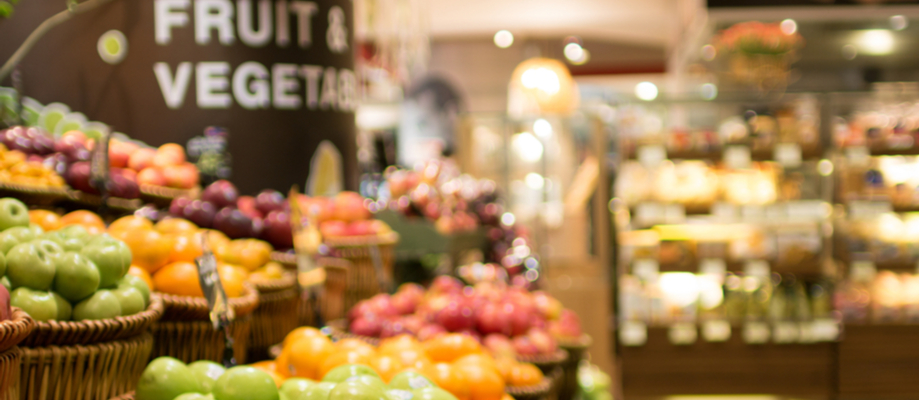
x: 541, y: 86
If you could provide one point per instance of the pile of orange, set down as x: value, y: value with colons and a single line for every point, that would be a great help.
x: 455, y: 362
x: 164, y: 254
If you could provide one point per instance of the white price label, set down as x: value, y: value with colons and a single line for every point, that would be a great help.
x: 825, y: 330
x: 646, y: 269
x: 758, y: 268
x: 633, y: 333
x: 857, y: 155
x: 652, y: 155
x: 737, y: 157
x: 756, y: 332
x: 682, y: 333
x: 712, y: 266
x: 716, y: 330
x: 869, y: 209
x: 788, y: 154
x: 785, y: 332
x: 649, y: 213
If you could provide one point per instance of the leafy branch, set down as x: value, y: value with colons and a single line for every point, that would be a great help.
x: 73, y: 9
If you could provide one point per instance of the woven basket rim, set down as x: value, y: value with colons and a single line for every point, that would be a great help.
x: 389, y: 238
x: 242, y: 305
x: 16, y: 329
x: 290, y: 260
x: 556, y: 358
x: 288, y: 280
x: 540, y: 389
x: 34, y: 189
x: 168, y: 192
x: 49, y: 332
x: 96, y: 200
x: 338, y: 331
x: 582, y: 342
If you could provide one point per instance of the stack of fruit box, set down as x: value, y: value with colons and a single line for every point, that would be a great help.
x: 15, y: 325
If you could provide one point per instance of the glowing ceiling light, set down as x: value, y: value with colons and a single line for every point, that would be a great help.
x: 646, y: 91
x: 503, y: 39
x: 527, y: 147
x: 534, y: 181
x: 573, y: 52
x: 543, y: 128
x: 876, y: 41
x: 788, y: 26
x: 541, y: 78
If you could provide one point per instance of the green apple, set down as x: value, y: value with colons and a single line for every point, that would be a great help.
x: 399, y: 394
x: 13, y: 236
x: 410, y: 380
x: 432, y: 393
x: 6, y: 283
x: 206, y: 372
x: 296, y: 388
x: 113, y: 258
x: 137, y: 283
x: 245, y: 383
x: 356, y: 390
x: 77, y: 277
x: 40, y: 305
x: 165, y: 378
x: 370, y: 380
x: 194, y: 396
x: 13, y: 213
x: 319, y: 391
x: 101, y: 305
x: 50, y: 247
x: 29, y: 265
x: 131, y: 300
x: 2, y: 264
x: 65, y: 310
x: 36, y: 230
x: 75, y: 232
x: 343, y: 372
x: 54, y: 236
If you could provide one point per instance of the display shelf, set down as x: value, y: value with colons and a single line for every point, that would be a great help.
x: 878, y: 361
x: 661, y: 368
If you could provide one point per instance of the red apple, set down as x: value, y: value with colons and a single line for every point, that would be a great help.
x: 360, y: 228
x: 269, y: 200
x: 393, y: 327
x: 499, y: 345
x: 333, y: 229
x: 233, y: 223
x: 567, y: 326
x: 151, y: 176
x: 247, y: 204
x: 413, y: 323
x: 349, y: 206
x: 446, y: 284
x: 549, y: 307
x: 177, y: 205
x: 181, y: 176
x: 457, y: 315
x: 407, y: 298
x: 382, y: 306
x: 201, y: 213
x: 221, y: 193
x: 6, y: 313
x: 430, y: 331
x: 278, y: 229
x: 524, y: 346
x: 120, y: 153
x: 141, y: 159
x: 492, y: 319
x: 366, y: 326
x: 542, y: 340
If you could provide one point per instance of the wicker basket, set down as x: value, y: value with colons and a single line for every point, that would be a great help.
x: 540, y: 391
x: 15, y: 330
x: 363, y: 251
x: 186, y: 332
x: 93, y: 372
x: 332, y: 295
x: 9, y: 373
x: 338, y: 330
x: 93, y: 200
x: 568, y: 387
x: 163, y: 196
x: 33, y: 195
x: 63, y: 333
x: 275, y: 316
x: 546, y: 362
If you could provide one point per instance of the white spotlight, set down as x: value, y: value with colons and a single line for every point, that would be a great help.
x: 646, y: 91
x: 503, y: 39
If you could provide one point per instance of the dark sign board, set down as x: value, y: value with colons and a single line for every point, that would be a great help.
x: 278, y: 75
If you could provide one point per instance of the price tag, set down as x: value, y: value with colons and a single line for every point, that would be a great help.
x: 646, y: 269
x: 651, y: 155
x: 857, y: 155
x: 737, y: 157
x: 99, y: 166
x: 824, y: 330
x: 221, y: 313
x: 649, y: 213
x: 633, y: 333
x: 788, y: 155
x: 682, y: 334
x: 712, y: 266
x: 785, y: 332
x: 716, y: 330
x: 756, y: 332
x: 869, y: 209
x: 757, y: 268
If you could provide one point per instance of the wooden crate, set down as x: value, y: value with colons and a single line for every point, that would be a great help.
x: 879, y: 362
x: 660, y: 368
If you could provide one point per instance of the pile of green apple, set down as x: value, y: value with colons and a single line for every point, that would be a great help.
x: 167, y: 378
x: 66, y: 274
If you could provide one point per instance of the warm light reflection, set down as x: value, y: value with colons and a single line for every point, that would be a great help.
x: 503, y: 39
x: 527, y: 147
x: 646, y: 91
x: 541, y: 78
x: 876, y: 41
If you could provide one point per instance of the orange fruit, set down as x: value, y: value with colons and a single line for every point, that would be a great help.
x: 447, y: 348
x: 141, y: 273
x: 504, y: 365
x: 267, y: 365
x: 179, y: 278
x: 525, y: 374
x: 130, y: 222
x: 48, y: 220
x: 282, y: 366
x: 396, y: 344
x: 149, y: 249
x: 88, y: 219
x: 175, y: 225
x: 387, y: 367
x: 300, y: 333
x: 338, y: 358
x: 186, y: 246
x: 411, y: 357
x: 356, y: 345
x: 507, y: 396
x: 306, y: 356
x: 215, y: 238
x: 253, y: 253
x: 232, y: 279
x: 448, y: 378
x: 483, y: 383
x: 481, y: 360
